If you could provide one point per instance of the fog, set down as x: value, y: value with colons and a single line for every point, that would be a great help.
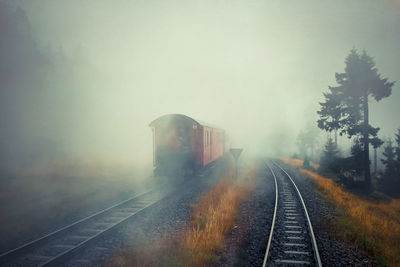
x: 255, y: 68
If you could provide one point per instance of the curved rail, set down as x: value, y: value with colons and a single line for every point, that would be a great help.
x: 273, y: 218
x: 314, y: 242
x: 291, y: 222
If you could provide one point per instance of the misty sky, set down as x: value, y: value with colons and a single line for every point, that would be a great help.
x: 256, y: 68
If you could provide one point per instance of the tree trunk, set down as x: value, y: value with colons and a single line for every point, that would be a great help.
x: 336, y: 137
x: 375, y: 161
x: 366, y: 168
x: 312, y: 154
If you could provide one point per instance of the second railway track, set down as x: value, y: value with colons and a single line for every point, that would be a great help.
x: 53, y: 249
x: 66, y: 246
x: 291, y: 241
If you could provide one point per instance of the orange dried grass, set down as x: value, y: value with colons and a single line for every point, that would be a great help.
x: 211, y: 218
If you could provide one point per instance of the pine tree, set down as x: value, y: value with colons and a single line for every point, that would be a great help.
x: 397, y: 155
x: 357, y: 155
x: 330, y: 113
x: 330, y: 155
x: 307, y: 140
x: 391, y: 177
x: 390, y: 159
x: 346, y: 107
x: 398, y: 147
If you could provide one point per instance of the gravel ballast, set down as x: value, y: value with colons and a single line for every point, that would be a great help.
x: 333, y: 252
x: 246, y: 244
x: 168, y: 216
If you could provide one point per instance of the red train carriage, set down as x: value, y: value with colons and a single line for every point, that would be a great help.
x: 183, y: 144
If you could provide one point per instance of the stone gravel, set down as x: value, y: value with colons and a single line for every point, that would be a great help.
x: 333, y: 252
x: 246, y: 243
x: 169, y: 216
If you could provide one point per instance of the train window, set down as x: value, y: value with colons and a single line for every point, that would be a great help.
x: 211, y: 138
x: 206, y: 139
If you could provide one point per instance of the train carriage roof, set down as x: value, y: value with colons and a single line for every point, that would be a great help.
x: 181, y: 118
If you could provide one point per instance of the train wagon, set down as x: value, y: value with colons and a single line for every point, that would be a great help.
x: 182, y: 145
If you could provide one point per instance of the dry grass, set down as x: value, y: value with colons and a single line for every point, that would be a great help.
x: 297, y: 163
x: 161, y: 252
x: 212, y: 217
x: 370, y: 225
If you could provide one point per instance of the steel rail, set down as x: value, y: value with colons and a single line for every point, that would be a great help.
x: 273, y: 218
x: 48, y: 237
x: 57, y: 260
x: 313, y: 240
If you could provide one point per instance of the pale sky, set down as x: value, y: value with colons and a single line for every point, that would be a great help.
x: 256, y: 68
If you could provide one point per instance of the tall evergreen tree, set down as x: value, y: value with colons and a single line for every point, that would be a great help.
x: 397, y: 152
x: 390, y: 159
x: 330, y: 113
x: 346, y: 107
x: 397, y: 138
x: 329, y: 156
x: 307, y: 140
x: 391, y: 177
x: 357, y: 155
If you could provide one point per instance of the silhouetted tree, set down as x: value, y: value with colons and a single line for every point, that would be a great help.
x: 307, y: 141
x: 391, y: 177
x: 306, y: 163
x: 397, y: 151
x: 329, y: 156
x: 390, y: 159
x: 376, y: 142
x: 330, y: 113
x: 302, y: 144
x: 346, y: 107
x: 357, y: 155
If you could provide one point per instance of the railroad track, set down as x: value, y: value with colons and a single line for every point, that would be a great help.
x: 59, y: 247
x: 291, y: 240
x: 55, y: 248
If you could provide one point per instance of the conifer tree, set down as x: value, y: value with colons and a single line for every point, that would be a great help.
x: 391, y: 177
x: 357, y: 155
x: 346, y: 106
x: 329, y: 156
x: 390, y: 159
x: 398, y: 145
x: 330, y: 113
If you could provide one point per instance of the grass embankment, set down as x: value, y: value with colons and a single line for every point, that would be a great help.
x: 370, y: 225
x: 211, y: 218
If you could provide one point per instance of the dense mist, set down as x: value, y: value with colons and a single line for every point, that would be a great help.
x: 82, y: 79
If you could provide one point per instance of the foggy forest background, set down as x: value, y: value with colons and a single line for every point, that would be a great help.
x: 81, y: 80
